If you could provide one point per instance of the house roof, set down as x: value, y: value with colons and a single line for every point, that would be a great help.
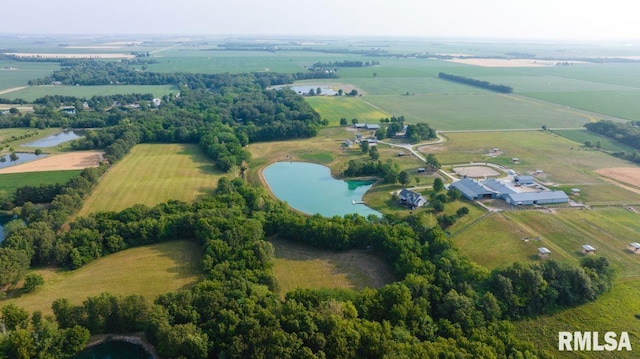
x: 470, y: 188
x: 523, y: 178
x: 544, y: 250
x: 557, y: 196
x: 411, y: 197
x: 588, y: 248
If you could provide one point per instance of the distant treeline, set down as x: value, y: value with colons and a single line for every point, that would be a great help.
x: 627, y: 133
x: 346, y: 63
x: 476, y: 83
x: 92, y: 73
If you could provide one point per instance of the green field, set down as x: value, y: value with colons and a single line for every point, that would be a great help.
x: 34, y: 92
x: 607, y: 144
x: 301, y: 266
x: 10, y: 181
x: 334, y: 108
x: 15, y: 74
x: 148, y: 271
x: 151, y: 174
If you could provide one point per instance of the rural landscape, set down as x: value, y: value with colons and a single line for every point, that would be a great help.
x: 497, y: 203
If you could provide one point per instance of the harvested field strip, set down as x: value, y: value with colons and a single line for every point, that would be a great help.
x: 149, y: 271
x: 151, y: 174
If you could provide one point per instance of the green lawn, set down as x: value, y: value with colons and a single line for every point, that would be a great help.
x: 149, y: 271
x: 333, y: 108
x: 10, y: 181
x: 606, y: 143
x: 151, y: 174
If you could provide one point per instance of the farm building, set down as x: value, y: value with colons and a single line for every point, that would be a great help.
x: 422, y: 170
x: 587, y: 249
x: 411, y: 199
x: 523, y: 180
x: 347, y: 143
x: 372, y: 126
x: 498, y: 187
x: 533, y: 198
x: 359, y: 125
x: 473, y: 190
x: 634, y: 247
x: 544, y: 252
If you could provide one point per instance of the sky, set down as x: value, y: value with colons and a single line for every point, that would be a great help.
x: 500, y: 19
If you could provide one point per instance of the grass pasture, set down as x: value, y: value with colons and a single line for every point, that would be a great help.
x: 151, y: 174
x: 498, y: 239
x: 10, y: 181
x: 614, y: 311
x: 333, y: 108
x: 581, y: 136
x: 34, y: 92
x: 15, y: 74
x: 301, y: 266
x: 148, y: 271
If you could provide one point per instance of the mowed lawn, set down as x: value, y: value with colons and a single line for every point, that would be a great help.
x: 148, y: 271
x: 152, y: 174
x: 300, y: 266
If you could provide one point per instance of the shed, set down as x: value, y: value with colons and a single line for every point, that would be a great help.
x: 372, y: 126
x: 544, y: 252
x: 421, y: 170
x: 400, y: 154
x: 634, y: 247
x: 515, y: 160
x: 536, y: 198
x: 347, y: 143
x: 523, y: 180
x: 587, y: 249
x: 473, y: 190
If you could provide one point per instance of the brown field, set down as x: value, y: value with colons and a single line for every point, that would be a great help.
x: 70, y: 56
x: 67, y: 161
x: 475, y: 171
x: 628, y: 175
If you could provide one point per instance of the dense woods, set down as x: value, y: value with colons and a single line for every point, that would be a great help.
x: 476, y: 83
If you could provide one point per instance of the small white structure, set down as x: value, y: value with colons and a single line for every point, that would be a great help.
x: 544, y: 252
x: 634, y: 247
x: 587, y: 249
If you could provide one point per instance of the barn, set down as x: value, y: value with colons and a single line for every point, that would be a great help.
x: 523, y: 180
x: 533, y: 198
x: 472, y: 190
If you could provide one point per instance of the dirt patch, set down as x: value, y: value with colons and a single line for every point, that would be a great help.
x: 431, y: 148
x: 628, y: 175
x: 475, y: 171
x: 67, y: 161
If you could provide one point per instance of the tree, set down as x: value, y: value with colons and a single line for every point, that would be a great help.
x: 373, y: 153
x: 340, y: 92
x: 318, y: 91
x: 353, y: 92
x: 32, y: 281
x: 588, y: 144
x: 403, y: 178
x: 312, y: 92
x: 418, y: 181
x: 438, y: 206
x: 438, y: 185
x: 343, y: 121
x: 354, y: 121
x: 38, y: 152
x: 364, y: 146
x: 375, y: 74
x: 14, y: 317
x: 381, y: 133
x: 14, y: 111
x: 13, y: 157
x: 462, y: 211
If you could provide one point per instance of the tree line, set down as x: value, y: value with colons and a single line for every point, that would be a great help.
x: 345, y: 63
x: 627, y: 133
x: 477, y: 83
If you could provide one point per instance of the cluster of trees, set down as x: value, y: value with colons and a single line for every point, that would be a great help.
x: 44, y: 193
x: 388, y: 170
x: 627, y: 133
x: 476, y: 83
x: 420, y: 132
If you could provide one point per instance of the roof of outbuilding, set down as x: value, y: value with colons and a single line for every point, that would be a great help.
x: 538, y: 196
x: 470, y: 188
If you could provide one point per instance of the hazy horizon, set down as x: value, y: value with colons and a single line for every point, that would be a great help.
x: 613, y: 20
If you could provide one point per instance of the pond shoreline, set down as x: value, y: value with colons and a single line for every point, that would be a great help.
x: 134, y: 338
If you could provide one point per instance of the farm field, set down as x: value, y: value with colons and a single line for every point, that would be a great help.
x: 15, y: 74
x: 497, y: 239
x: 10, y: 181
x: 301, y: 266
x: 581, y: 136
x: 149, y: 271
x: 151, y: 174
x: 334, y: 108
x: 33, y: 92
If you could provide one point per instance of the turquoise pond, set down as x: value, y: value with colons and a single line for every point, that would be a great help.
x: 309, y: 188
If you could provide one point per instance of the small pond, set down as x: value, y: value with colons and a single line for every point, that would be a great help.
x: 114, y: 350
x: 309, y: 188
x: 22, y: 158
x: 303, y: 90
x: 55, y: 139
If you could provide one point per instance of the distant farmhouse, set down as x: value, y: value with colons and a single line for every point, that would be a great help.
x: 411, y: 199
x: 475, y: 190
